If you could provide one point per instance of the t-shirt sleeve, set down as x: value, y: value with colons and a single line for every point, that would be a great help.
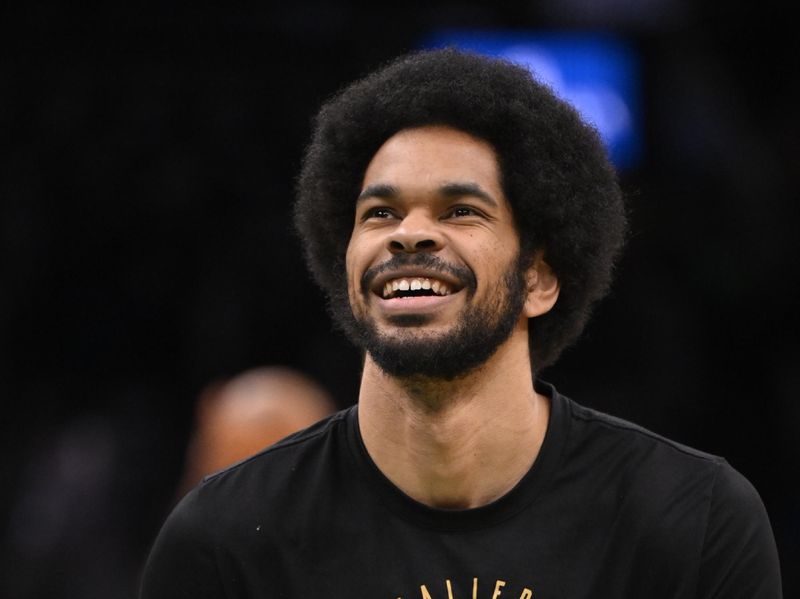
x: 739, y: 554
x: 182, y: 561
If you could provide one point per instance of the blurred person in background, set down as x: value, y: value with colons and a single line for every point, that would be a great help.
x: 239, y: 417
x: 463, y: 221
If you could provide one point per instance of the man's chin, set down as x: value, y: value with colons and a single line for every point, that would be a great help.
x: 411, y: 331
x: 412, y: 352
x: 409, y: 320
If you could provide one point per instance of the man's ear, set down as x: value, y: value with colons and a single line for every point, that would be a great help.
x: 542, y: 285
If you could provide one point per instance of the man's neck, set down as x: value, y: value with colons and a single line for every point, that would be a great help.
x: 455, y: 444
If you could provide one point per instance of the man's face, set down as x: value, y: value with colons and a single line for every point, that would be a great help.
x: 434, y: 278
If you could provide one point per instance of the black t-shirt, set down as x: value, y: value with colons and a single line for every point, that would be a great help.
x: 607, y: 510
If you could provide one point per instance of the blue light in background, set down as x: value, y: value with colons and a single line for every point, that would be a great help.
x: 597, y: 73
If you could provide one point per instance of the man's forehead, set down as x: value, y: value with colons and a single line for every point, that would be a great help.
x: 435, y: 158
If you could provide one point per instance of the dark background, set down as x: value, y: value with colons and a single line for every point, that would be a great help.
x: 145, y: 248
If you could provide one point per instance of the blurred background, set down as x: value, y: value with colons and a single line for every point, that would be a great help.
x: 146, y: 255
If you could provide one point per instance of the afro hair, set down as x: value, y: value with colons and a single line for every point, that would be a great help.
x: 555, y: 173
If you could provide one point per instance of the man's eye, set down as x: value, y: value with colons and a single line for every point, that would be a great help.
x: 461, y: 211
x: 378, y: 213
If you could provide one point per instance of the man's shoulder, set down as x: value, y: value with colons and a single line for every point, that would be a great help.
x: 654, y: 471
x: 672, y: 494
x: 307, y: 441
x: 261, y: 498
x: 655, y: 468
x: 614, y: 434
x: 268, y: 477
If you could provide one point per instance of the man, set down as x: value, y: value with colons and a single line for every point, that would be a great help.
x: 463, y: 221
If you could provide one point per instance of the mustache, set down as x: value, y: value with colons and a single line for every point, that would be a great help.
x: 464, y: 276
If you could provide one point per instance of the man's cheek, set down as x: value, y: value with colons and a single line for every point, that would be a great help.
x: 354, y: 297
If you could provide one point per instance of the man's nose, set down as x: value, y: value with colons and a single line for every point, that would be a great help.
x: 416, y: 233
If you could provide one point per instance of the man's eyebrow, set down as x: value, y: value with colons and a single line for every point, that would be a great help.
x: 380, y: 190
x: 449, y: 190
x: 455, y: 190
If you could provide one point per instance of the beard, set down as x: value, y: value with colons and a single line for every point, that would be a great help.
x: 477, y: 333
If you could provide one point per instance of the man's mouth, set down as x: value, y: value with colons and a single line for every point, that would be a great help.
x: 416, y: 276
x: 415, y: 287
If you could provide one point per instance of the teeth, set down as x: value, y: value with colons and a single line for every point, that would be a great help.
x: 390, y: 288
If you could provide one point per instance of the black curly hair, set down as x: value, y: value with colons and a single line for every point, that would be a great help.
x: 555, y: 173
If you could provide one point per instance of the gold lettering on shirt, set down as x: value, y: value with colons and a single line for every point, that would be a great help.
x: 526, y: 593
x: 497, y: 586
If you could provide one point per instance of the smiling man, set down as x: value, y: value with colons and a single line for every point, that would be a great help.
x: 432, y: 220
x: 463, y: 221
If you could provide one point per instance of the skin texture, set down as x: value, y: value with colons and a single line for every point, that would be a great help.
x: 447, y: 443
